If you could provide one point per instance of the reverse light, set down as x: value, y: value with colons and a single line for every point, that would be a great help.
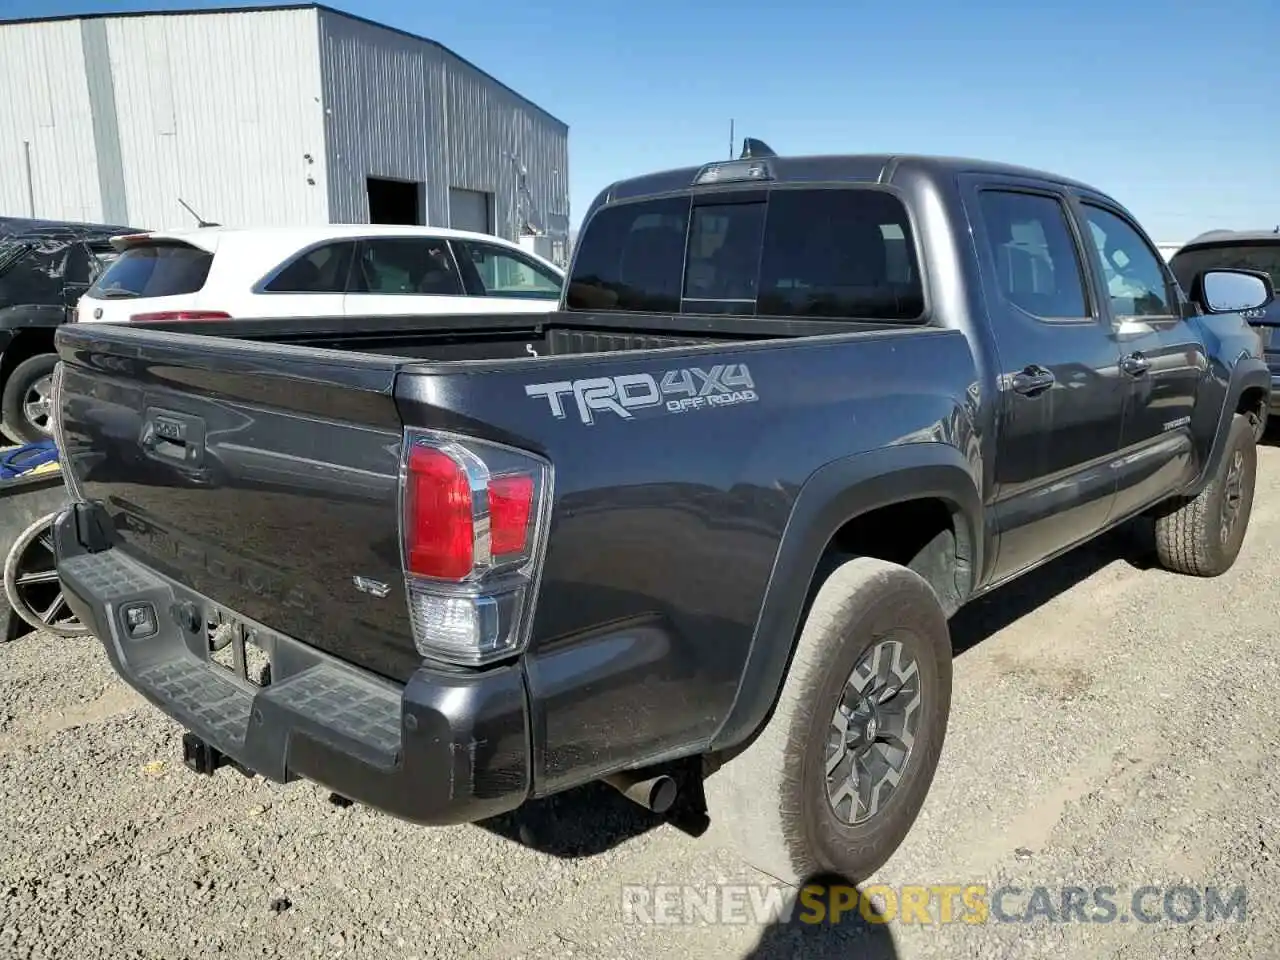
x: 166, y: 316
x: 473, y: 531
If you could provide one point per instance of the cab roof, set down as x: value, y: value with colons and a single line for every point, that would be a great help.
x: 868, y: 167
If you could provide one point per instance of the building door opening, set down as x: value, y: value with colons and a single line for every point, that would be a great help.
x: 470, y: 210
x: 397, y: 202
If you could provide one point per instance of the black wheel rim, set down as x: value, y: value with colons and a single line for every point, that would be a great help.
x: 37, y: 585
x: 1232, y: 495
x: 873, y: 732
x: 37, y: 403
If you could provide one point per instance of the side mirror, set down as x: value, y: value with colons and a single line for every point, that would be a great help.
x: 1232, y: 291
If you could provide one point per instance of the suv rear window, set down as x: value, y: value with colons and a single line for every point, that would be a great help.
x: 828, y: 253
x: 1248, y: 255
x: 154, y: 270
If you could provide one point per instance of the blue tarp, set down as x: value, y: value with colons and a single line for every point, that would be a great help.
x: 16, y: 462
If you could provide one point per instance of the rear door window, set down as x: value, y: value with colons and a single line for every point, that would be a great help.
x: 789, y: 253
x: 154, y: 270
x: 407, y: 266
x: 1038, y: 268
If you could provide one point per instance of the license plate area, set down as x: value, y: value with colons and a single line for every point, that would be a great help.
x: 238, y: 648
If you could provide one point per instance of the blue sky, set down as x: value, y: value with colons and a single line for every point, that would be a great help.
x: 1169, y: 106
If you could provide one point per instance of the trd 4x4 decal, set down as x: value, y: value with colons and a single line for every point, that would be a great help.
x: 680, y: 390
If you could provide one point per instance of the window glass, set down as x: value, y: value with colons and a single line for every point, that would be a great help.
x: 407, y: 266
x: 723, y: 261
x: 101, y: 256
x: 631, y: 257
x: 840, y: 254
x: 503, y: 273
x: 1037, y: 261
x: 1135, y: 280
x: 322, y: 270
x: 1232, y: 256
x: 154, y: 270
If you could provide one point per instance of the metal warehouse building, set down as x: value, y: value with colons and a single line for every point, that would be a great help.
x: 285, y: 115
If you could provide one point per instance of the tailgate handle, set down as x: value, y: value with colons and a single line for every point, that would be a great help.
x: 176, y: 437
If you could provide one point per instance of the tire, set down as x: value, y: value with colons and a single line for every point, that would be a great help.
x: 25, y: 382
x: 1202, y: 536
x: 774, y: 798
x: 37, y: 539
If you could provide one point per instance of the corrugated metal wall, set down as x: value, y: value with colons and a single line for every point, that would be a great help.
x: 261, y: 118
x: 403, y: 108
x: 222, y: 111
x: 44, y: 103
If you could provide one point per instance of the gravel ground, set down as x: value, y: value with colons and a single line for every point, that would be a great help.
x: 1114, y: 727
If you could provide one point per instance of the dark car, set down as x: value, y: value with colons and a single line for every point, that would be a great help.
x: 699, y: 531
x: 45, y: 265
x: 1240, y: 250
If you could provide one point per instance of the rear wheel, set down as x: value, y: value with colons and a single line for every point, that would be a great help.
x: 837, y: 777
x: 27, y: 400
x: 31, y: 582
x: 1203, y: 536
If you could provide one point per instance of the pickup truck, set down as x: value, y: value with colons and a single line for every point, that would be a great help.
x: 698, y: 533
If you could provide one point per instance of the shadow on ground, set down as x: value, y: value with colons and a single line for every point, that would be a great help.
x: 860, y: 930
x: 590, y: 820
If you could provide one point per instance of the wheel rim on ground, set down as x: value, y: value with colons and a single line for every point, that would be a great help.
x: 1233, y: 495
x: 872, y: 732
x: 31, y: 582
x: 37, y: 403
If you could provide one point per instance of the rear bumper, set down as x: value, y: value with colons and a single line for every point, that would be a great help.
x: 443, y: 748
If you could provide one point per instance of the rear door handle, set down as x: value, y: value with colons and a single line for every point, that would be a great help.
x: 1135, y: 364
x: 1033, y: 380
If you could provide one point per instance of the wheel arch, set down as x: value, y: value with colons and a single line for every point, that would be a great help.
x: 26, y: 342
x: 1249, y: 387
x: 925, y: 491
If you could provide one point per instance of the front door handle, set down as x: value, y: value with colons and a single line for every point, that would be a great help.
x: 1135, y: 364
x: 1033, y: 380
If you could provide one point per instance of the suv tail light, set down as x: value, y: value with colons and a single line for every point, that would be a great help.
x: 473, y: 530
x: 164, y: 316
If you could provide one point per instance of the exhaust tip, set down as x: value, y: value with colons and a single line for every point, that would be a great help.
x: 656, y: 793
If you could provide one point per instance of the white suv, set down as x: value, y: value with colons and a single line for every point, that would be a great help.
x: 214, y: 273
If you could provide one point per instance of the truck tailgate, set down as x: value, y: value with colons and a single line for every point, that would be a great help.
x: 262, y: 476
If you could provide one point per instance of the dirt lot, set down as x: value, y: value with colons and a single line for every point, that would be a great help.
x: 1116, y: 727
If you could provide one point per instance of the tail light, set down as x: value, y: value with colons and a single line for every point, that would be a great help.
x: 165, y: 316
x: 473, y: 530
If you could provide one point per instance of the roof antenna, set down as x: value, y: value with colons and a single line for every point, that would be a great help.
x: 200, y: 221
x: 753, y: 148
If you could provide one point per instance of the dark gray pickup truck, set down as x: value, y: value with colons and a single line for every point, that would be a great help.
x: 697, y: 533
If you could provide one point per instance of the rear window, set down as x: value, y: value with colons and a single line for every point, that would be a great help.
x: 1240, y: 256
x: 154, y: 270
x: 833, y: 254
